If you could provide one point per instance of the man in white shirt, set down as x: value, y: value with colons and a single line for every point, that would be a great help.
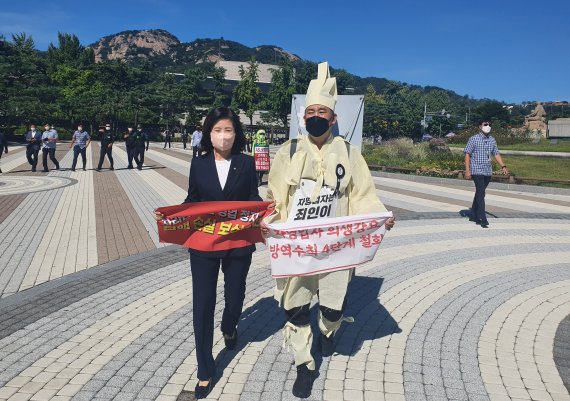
x: 196, y: 140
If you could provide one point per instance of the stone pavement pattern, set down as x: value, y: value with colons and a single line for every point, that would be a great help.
x: 94, y: 308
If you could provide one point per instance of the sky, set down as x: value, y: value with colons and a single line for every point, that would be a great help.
x: 508, y: 50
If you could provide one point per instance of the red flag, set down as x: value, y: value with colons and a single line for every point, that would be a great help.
x: 213, y: 226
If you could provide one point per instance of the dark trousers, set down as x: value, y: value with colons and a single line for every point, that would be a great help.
x: 169, y: 142
x: 204, y: 282
x: 130, y: 155
x: 32, y: 156
x: 260, y: 177
x: 51, y: 153
x: 184, y: 144
x: 138, y: 155
x: 195, y: 151
x: 478, y: 207
x: 105, y: 150
x: 77, y: 150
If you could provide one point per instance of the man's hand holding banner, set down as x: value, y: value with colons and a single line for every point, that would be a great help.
x: 212, y: 226
x: 305, y: 248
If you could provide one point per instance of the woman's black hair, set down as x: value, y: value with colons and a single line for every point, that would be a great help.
x: 215, y: 115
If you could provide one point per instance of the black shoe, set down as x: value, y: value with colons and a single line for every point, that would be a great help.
x: 203, y: 391
x: 45, y: 171
x: 303, y: 383
x: 98, y: 169
x: 130, y: 167
x: 84, y: 169
x: 33, y: 169
x: 0, y: 171
x: 484, y: 224
x: 139, y: 168
x: 72, y: 169
x: 112, y: 168
x: 231, y: 342
x: 57, y: 167
x: 473, y: 219
x: 326, y: 345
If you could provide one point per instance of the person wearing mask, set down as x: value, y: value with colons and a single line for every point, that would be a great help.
x: 221, y: 173
x: 33, y: 141
x: 167, y: 139
x: 317, y: 165
x: 196, y: 141
x: 107, y: 140
x: 79, y: 143
x: 184, y: 138
x: 3, y: 145
x: 129, y: 138
x: 140, y: 138
x: 49, y: 139
x: 259, y: 139
x: 478, y: 152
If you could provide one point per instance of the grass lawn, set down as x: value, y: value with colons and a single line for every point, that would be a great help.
x: 538, y: 167
x: 543, y: 146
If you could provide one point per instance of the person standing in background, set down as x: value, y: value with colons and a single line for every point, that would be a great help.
x: 129, y: 138
x: 196, y: 142
x: 107, y: 140
x: 81, y: 139
x: 3, y: 145
x: 140, y: 138
x: 478, y: 152
x: 49, y: 139
x: 167, y: 139
x: 33, y: 140
x: 184, y: 138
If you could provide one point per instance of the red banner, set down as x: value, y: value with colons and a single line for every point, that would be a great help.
x: 213, y: 226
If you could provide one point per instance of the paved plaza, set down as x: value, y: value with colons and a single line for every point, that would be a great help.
x: 93, y: 307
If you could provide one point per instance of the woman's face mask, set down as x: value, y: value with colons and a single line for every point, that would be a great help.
x: 223, y: 135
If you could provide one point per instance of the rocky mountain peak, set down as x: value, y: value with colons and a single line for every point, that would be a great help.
x: 130, y: 45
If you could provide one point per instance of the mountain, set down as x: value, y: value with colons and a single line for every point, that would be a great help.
x: 132, y: 45
x: 164, y: 49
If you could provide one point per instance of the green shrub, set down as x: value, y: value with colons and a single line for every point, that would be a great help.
x: 503, y: 135
x: 405, y: 154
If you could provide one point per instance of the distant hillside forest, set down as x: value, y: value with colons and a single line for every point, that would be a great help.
x: 64, y: 86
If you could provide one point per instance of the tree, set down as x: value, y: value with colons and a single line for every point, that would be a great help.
x: 493, y: 111
x: 374, y: 107
x: 218, y: 97
x: 344, y: 81
x: 247, y: 93
x: 69, y: 51
x: 25, y: 91
x: 283, y: 87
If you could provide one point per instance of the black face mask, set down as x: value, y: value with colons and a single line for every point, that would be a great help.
x: 317, y: 126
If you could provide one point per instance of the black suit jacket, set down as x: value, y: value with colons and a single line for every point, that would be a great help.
x: 241, y: 185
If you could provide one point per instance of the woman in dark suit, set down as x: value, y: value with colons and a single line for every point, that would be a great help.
x: 221, y: 173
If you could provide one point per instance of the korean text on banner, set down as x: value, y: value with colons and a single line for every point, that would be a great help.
x: 261, y: 156
x: 213, y: 226
x: 304, y: 248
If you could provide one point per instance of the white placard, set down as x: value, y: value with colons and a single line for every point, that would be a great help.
x: 350, y: 118
x: 305, y: 248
